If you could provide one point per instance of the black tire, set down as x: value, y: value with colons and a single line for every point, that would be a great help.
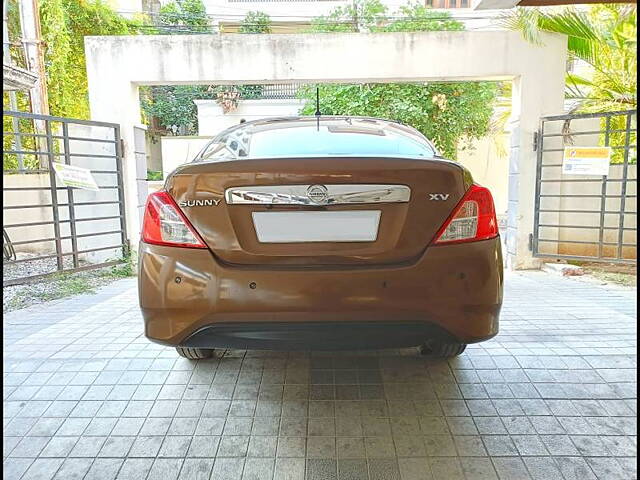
x: 442, y: 350
x: 194, y: 353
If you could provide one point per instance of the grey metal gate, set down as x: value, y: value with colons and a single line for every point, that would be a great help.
x: 586, y: 217
x: 49, y: 227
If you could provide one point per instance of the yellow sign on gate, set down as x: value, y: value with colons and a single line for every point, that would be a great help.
x: 586, y: 160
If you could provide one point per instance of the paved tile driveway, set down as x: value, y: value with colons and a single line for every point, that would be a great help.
x: 553, y: 396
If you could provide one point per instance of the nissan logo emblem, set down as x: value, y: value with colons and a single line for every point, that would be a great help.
x: 318, y: 194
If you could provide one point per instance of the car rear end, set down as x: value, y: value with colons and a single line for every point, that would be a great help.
x: 320, y: 253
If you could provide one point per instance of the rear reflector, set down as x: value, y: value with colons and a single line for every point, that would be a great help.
x: 165, y: 224
x: 473, y: 219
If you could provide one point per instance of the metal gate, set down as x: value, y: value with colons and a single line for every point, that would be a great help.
x: 49, y: 227
x: 586, y: 217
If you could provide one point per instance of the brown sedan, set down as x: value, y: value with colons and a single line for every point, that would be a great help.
x: 320, y: 233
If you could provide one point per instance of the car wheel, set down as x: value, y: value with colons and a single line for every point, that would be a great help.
x: 442, y: 350
x: 194, y: 353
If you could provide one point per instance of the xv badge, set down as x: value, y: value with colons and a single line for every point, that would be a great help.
x: 438, y: 196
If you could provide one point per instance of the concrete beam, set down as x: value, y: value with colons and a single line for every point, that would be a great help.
x: 16, y: 78
x: 117, y: 66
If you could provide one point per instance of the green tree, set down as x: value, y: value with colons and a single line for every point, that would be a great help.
x: 174, y: 106
x: 358, y: 16
x: 415, y: 17
x: 450, y: 114
x: 255, y: 22
x: 183, y: 17
x: 604, y: 37
x: 65, y: 23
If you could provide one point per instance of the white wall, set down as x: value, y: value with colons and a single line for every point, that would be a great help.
x: 489, y: 166
x: 153, y: 152
x: 212, y: 120
x: 179, y: 150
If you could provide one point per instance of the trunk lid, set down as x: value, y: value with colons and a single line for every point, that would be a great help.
x: 404, y: 229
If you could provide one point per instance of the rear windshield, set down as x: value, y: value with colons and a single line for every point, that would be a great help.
x: 308, y: 138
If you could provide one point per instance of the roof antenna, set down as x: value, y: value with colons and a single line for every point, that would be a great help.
x: 318, y: 108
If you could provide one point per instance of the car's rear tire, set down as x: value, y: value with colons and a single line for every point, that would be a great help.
x: 442, y: 349
x: 194, y: 353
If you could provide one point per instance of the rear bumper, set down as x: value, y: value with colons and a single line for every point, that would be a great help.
x: 188, y: 298
x: 315, y: 335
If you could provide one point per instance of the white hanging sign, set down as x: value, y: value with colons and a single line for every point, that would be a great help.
x: 75, y: 177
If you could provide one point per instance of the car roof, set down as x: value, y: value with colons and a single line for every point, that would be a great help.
x: 308, y: 118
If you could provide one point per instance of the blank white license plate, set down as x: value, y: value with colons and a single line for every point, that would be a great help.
x: 290, y: 227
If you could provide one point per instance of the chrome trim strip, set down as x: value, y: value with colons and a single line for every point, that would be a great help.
x: 298, y: 194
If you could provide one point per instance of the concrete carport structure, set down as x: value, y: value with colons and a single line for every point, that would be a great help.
x: 117, y: 66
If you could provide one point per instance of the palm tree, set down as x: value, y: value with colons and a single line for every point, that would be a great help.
x: 603, y: 37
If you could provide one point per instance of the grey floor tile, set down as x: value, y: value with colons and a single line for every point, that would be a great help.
x: 146, y: 446
x: 379, y: 447
x: 228, y: 468
x: 203, y: 446
x: 59, y: 447
x: 29, y: 447
x: 449, y: 468
x: 542, y: 468
x: 258, y: 468
x: 478, y: 468
x: 73, y: 469
x: 511, y: 468
x: 289, y: 469
x: 116, y: 447
x: 608, y: 468
x: 43, y: 469
x: 383, y: 469
x: 174, y: 446
x: 196, y: 469
x: 135, y: 468
x: 233, y: 446
x: 262, y: 446
x: 470, y: 446
x: 352, y: 469
x: 104, y: 469
x: 414, y: 469
x: 575, y: 468
x: 165, y: 469
x: 87, y: 447
x: 529, y: 445
x: 321, y: 469
x: 499, y: 445
x: 14, y: 467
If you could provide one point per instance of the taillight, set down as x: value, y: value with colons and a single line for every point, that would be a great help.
x: 165, y: 224
x: 473, y: 219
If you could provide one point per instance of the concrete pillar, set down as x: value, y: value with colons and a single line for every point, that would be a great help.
x: 533, y: 97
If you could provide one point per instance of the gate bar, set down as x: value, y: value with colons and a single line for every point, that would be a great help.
x: 623, y: 193
x: 54, y: 197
